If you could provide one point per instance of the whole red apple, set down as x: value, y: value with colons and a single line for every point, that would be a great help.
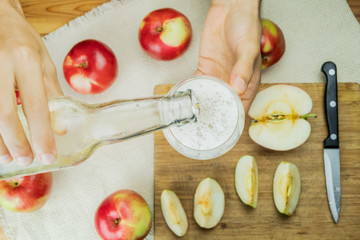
x: 272, y: 43
x: 123, y: 215
x: 90, y: 67
x: 27, y: 193
x: 165, y: 34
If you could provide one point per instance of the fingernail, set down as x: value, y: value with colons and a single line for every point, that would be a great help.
x: 23, y: 161
x: 239, y: 85
x: 5, y: 159
x: 47, y: 158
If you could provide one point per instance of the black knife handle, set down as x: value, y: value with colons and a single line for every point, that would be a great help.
x: 331, y: 105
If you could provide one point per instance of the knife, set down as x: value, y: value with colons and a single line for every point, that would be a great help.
x: 331, y: 143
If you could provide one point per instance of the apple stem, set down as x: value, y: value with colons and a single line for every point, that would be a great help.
x: 159, y: 29
x: 117, y: 221
x: 306, y: 116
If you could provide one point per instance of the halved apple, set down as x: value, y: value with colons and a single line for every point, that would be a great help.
x: 173, y: 212
x: 246, y: 180
x: 286, y: 187
x: 280, y: 115
x: 209, y: 203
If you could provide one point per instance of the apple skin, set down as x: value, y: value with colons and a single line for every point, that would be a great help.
x: 165, y: 34
x: 272, y: 43
x: 27, y: 193
x: 123, y: 215
x: 90, y: 67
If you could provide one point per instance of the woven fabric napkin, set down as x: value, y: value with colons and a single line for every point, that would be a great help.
x: 315, y: 32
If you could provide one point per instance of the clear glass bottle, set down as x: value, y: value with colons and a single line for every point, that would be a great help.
x: 79, y: 128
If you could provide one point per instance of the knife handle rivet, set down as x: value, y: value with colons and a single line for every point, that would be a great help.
x: 332, y: 72
x: 333, y: 136
x: 332, y: 104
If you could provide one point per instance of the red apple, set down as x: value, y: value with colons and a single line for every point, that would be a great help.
x: 272, y: 43
x: 26, y: 194
x: 90, y: 67
x: 165, y: 34
x: 123, y: 215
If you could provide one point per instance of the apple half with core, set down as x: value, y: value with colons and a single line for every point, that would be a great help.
x: 272, y: 43
x: 246, y: 180
x: 286, y: 187
x: 26, y: 193
x: 123, y: 215
x: 280, y: 115
x: 209, y: 203
x: 90, y: 67
x: 173, y: 212
x: 165, y: 34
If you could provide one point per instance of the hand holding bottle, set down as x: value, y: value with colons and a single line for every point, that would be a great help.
x: 26, y: 67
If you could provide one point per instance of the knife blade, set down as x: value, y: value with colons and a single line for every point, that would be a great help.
x: 331, y: 143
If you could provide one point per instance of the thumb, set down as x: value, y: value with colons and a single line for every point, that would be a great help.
x: 244, y: 67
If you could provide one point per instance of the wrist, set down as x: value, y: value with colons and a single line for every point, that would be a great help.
x: 14, y: 4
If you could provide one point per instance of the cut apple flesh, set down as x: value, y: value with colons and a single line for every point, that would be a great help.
x: 286, y: 187
x: 246, y: 180
x: 280, y: 114
x: 209, y: 203
x: 173, y: 212
x: 175, y: 32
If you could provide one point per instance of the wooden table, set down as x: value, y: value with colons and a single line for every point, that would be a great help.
x: 48, y: 15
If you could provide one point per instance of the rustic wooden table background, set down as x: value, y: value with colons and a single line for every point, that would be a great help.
x: 48, y: 15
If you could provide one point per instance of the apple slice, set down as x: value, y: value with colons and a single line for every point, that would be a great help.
x: 174, y: 213
x: 286, y: 187
x: 209, y: 203
x: 280, y: 115
x: 246, y: 180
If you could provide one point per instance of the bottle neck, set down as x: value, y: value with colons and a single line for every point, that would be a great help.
x: 120, y: 120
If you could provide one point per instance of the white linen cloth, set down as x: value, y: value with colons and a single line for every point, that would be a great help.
x: 315, y: 31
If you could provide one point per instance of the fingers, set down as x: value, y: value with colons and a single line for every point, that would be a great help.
x: 5, y: 156
x: 253, y: 85
x: 50, y: 76
x: 13, y: 138
x: 242, y: 72
x: 34, y: 101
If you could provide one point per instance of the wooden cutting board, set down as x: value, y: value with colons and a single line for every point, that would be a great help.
x: 312, y: 219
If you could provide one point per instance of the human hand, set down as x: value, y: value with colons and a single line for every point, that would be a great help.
x: 230, y: 46
x: 25, y: 66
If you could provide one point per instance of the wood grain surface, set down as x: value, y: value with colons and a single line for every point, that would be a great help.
x: 312, y: 219
x: 48, y: 15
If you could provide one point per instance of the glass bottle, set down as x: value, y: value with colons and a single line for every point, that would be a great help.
x: 79, y: 128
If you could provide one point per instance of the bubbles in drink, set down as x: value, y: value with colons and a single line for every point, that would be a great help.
x: 217, y: 119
